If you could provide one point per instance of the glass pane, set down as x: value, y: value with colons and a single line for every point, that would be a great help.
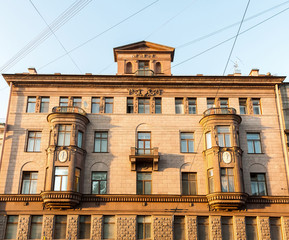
x: 141, y: 109
x: 67, y: 139
x: 36, y: 227
x: 95, y: 108
x: 187, y: 135
x: 99, y: 175
x: 191, y: 146
x: 61, y: 171
x: 250, y: 147
x: 25, y: 186
x: 11, y: 228
x: 231, y: 184
x: 208, y: 140
x: 104, y: 145
x: 37, y: 145
x: 147, y: 230
x: 221, y: 140
x: 257, y: 146
x: 184, y: 146
x: 108, y: 231
x: 144, y: 136
x: 31, y: 108
x: 108, y: 108
x: 262, y: 189
x: 139, y: 187
x: 103, y: 187
x: 193, y: 188
x: 30, y: 145
x: 228, y: 140
x: 140, y: 231
x: 57, y: 183
x: 64, y: 183
x: 185, y: 187
x: 60, y: 139
x: 33, y: 187
x: 144, y: 176
x: 95, y: 187
x: 224, y: 184
x: 148, y: 188
x: 253, y: 136
x: 223, y: 129
x: 79, y: 139
x: 254, y: 188
x: 147, y: 144
x: 97, y: 145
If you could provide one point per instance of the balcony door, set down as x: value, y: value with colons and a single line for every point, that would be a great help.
x: 144, y: 142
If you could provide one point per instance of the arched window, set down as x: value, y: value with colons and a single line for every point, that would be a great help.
x: 129, y: 68
x: 158, y: 67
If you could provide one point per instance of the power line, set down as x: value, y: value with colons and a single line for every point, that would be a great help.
x: 55, y: 35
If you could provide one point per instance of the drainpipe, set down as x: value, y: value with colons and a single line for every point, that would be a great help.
x: 281, y: 122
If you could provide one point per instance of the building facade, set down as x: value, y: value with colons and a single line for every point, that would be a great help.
x: 144, y: 154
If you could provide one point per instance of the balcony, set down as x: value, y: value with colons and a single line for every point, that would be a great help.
x: 215, y: 111
x: 227, y: 201
x: 148, y: 157
x: 68, y: 109
x: 144, y: 72
x: 61, y: 200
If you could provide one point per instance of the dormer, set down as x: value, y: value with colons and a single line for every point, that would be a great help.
x: 144, y: 59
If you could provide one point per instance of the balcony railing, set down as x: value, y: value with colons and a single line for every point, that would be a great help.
x: 144, y: 72
x: 68, y: 109
x: 144, y: 151
x: 213, y: 111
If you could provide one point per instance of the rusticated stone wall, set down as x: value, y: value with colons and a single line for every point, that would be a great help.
x: 96, y: 227
x: 23, y: 227
x: 239, y: 225
x: 126, y: 227
x: 163, y: 227
x: 72, y: 221
x: 263, y: 225
x: 215, y: 228
x: 3, y: 220
x: 192, y: 228
x: 285, y: 227
x: 48, y: 223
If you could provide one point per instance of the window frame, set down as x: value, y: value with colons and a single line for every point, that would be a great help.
x: 107, y: 103
x: 43, y: 104
x: 223, y: 135
x: 158, y: 102
x: 244, y: 105
x: 194, y: 106
x: 142, y: 190
x: 144, y: 222
x: 129, y: 105
x: 179, y: 105
x: 12, y: 224
x: 65, y: 132
x: 253, y: 141
x: 180, y: 224
x: 211, y: 184
x: 144, y: 150
x: 256, y: 105
x: 84, y: 220
x: 190, y: 183
x: 227, y: 177
x: 145, y: 104
x: 34, y: 139
x: 99, y: 182
x: 110, y: 224
x: 77, y: 102
x: 187, y: 141
x: 61, y: 179
x: 60, y: 220
x: 63, y: 103
x: 95, y: 103
x: 35, y: 224
x: 31, y: 179
x: 31, y: 102
x: 214, y: 103
x: 101, y: 140
x: 258, y: 182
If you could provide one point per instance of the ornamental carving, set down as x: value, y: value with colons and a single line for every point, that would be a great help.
x: 145, y: 92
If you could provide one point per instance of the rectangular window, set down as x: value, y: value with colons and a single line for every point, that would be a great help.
x: 224, y: 136
x: 84, y: 227
x: 31, y: 103
x: 29, y: 182
x: 227, y: 228
x: 254, y: 143
x: 275, y: 228
x: 64, y: 133
x: 187, y: 142
x: 11, y: 227
x: 79, y: 139
x: 179, y: 105
x: 143, y: 227
x: 60, y: 178
x: 211, y: 180
x: 227, y: 179
x: 77, y: 180
x: 144, y: 183
x: 256, y: 106
x: 129, y: 106
x: 158, y: 105
x: 224, y: 102
x: 243, y: 105
x: 179, y: 228
x: 251, y: 228
x: 60, y: 227
x: 144, y: 105
x: 34, y: 141
x: 100, y: 141
x: 76, y: 101
x: 192, y: 102
x: 63, y: 101
x: 144, y: 142
x: 108, y: 227
x: 98, y: 182
x: 44, y: 105
x: 36, y: 227
x: 95, y: 103
x: 208, y: 140
x: 203, y: 228
x: 210, y: 103
x: 108, y: 105
x: 189, y: 183
x: 258, y: 184
x: 143, y: 65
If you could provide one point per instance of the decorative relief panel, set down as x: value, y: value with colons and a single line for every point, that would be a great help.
x: 126, y: 227
x: 163, y: 228
x: 72, y: 221
x: 239, y: 228
x: 145, y: 92
x: 215, y: 228
x: 48, y: 222
x: 96, y: 227
x: 192, y: 228
x: 3, y: 220
x: 263, y: 228
x: 285, y: 227
x: 23, y: 227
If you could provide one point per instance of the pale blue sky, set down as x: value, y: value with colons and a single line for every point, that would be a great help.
x: 169, y: 22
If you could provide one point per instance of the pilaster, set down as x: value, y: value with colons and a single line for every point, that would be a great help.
x: 3, y: 219
x: 126, y: 227
x: 72, y: 225
x: 239, y: 225
x: 48, y: 224
x: 23, y: 227
x: 215, y: 228
x: 285, y: 227
x: 163, y: 228
x: 192, y: 228
x: 96, y: 228
x: 263, y: 226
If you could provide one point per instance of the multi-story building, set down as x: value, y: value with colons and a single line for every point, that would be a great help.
x: 2, y: 126
x: 143, y: 154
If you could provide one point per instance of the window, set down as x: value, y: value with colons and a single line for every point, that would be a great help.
x: 143, y: 227
x: 77, y: 101
x: 275, y: 228
x: 95, y: 103
x: 100, y: 141
x: 158, y: 68
x: 84, y: 227
x: 144, y: 142
x: 60, y: 227
x: 34, y: 140
x: 144, y: 105
x: 158, y: 105
x: 143, y: 65
x: 108, y: 105
x: 179, y: 105
x: 208, y: 140
x: 254, y: 143
x: 29, y: 182
x: 227, y: 228
x: 129, y: 107
x: 211, y: 180
x: 11, y: 227
x: 203, y: 228
x: 98, y: 182
x: 251, y: 228
x: 64, y: 135
x: 187, y: 142
x: 108, y: 227
x: 144, y: 183
x: 224, y: 137
x: 63, y: 101
x: 76, y: 179
x: 192, y: 102
x: 258, y: 184
x: 224, y: 103
x: 129, y: 68
x: 227, y: 179
x: 179, y: 228
x: 44, y: 105
x: 31, y: 102
x: 36, y: 227
x: 60, y: 178
x: 210, y: 103
x: 79, y: 139
x: 243, y: 105
x: 189, y: 183
x: 256, y: 106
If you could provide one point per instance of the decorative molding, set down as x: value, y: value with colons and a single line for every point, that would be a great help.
x: 145, y: 92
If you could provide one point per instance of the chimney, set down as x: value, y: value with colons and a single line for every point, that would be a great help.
x: 254, y: 72
x: 32, y: 71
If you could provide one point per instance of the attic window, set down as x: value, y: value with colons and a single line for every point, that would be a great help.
x: 143, y: 65
x: 129, y: 68
x: 158, y: 67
